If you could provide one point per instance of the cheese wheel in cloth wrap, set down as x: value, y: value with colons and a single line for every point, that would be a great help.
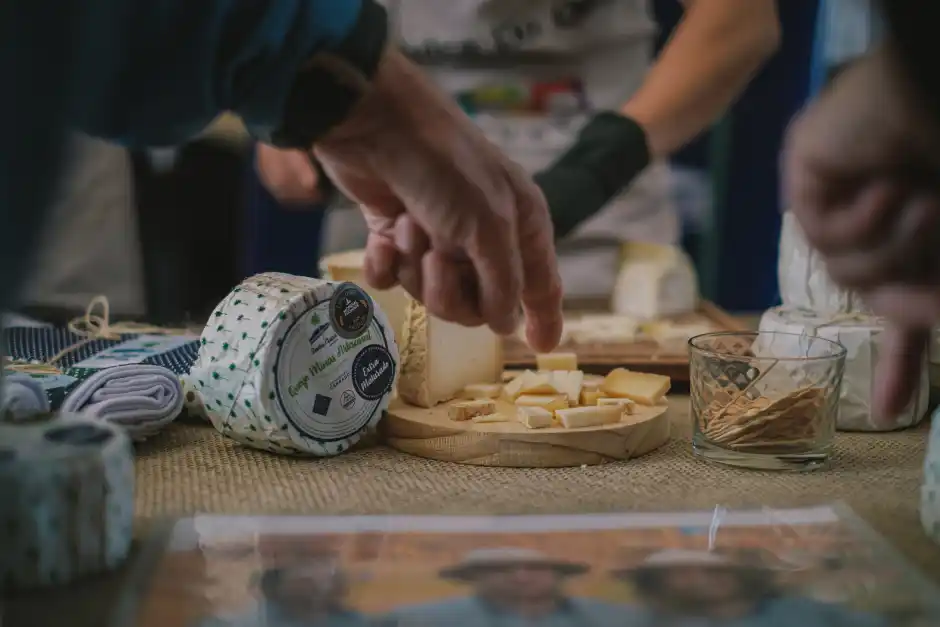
x: 930, y: 488
x: 68, y: 499
x: 860, y: 334
x: 295, y: 365
x: 803, y: 278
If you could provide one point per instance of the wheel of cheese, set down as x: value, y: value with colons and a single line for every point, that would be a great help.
x: 68, y: 499
x: 655, y: 281
x: 860, y: 335
x: 803, y: 278
x: 295, y: 365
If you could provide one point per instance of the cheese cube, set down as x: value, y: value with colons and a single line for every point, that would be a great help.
x: 589, y: 396
x: 556, y: 361
x: 624, y: 403
x: 568, y: 382
x: 550, y: 402
x: 482, y: 390
x: 513, y: 389
x: 592, y: 381
x: 596, y: 416
x: 538, y: 383
x: 438, y: 359
x: 639, y: 387
x: 488, y: 418
x: 466, y: 410
x: 509, y: 375
x: 535, y: 417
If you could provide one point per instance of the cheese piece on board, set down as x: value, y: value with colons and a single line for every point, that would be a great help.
x: 596, y: 416
x: 439, y: 359
x: 623, y: 403
x: 68, y: 500
x: 568, y: 382
x: 538, y: 383
x: 556, y: 361
x: 589, y: 396
x: 551, y: 402
x: 470, y: 409
x: 640, y: 387
x: 592, y: 381
x: 296, y: 365
x: 861, y: 335
x: 803, y: 278
x: 655, y: 281
x: 490, y: 418
x: 482, y: 390
x: 535, y: 417
x: 602, y: 328
x: 509, y: 375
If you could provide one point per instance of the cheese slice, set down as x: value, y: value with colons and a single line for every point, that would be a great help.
x: 465, y: 410
x: 589, y: 395
x: 538, y: 383
x: 623, y: 403
x: 439, y: 359
x: 556, y: 361
x: 655, y: 281
x: 551, y: 402
x: 535, y: 417
x: 602, y: 328
x: 592, y: 381
x: 580, y: 417
x: 509, y: 375
x: 513, y: 388
x: 488, y: 418
x: 568, y: 382
x: 639, y: 387
x: 482, y: 390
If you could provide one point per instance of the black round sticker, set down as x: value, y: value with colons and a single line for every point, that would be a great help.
x: 373, y: 372
x: 79, y: 435
x: 350, y: 311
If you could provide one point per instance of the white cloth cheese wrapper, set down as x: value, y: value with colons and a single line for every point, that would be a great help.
x: 860, y: 335
x: 295, y: 365
x: 930, y: 488
x: 803, y: 278
x: 68, y: 500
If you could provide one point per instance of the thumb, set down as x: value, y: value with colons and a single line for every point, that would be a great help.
x: 898, y: 370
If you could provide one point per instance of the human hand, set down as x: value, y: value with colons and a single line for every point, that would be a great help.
x: 288, y: 175
x: 450, y: 218
x: 860, y: 171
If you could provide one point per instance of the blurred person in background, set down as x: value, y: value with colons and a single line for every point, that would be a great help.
x: 612, y: 184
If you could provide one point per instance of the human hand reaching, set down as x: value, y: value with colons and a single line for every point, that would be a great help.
x: 459, y: 226
x: 861, y: 173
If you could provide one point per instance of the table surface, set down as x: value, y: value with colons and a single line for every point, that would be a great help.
x: 191, y: 469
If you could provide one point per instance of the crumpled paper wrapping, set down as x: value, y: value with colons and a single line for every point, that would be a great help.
x: 859, y: 334
x: 803, y: 278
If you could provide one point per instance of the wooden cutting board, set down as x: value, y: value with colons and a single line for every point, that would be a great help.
x: 431, y: 434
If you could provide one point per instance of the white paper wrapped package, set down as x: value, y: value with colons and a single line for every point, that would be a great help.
x: 930, y: 488
x: 860, y: 335
x: 803, y: 278
x: 295, y: 365
x: 68, y: 500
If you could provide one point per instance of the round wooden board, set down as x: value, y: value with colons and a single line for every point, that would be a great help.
x: 430, y: 433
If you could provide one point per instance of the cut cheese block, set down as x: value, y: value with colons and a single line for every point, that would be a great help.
x: 68, y: 500
x: 639, y: 387
x: 599, y: 329
x: 350, y: 266
x: 803, y: 278
x: 529, y: 382
x: 674, y: 337
x: 589, y: 396
x: 556, y: 361
x: 655, y: 281
x: 489, y: 418
x: 439, y: 359
x: 580, y: 417
x: 550, y: 402
x: 623, y: 403
x: 861, y: 336
x: 482, y: 390
x: 295, y: 365
x: 568, y: 382
x: 535, y: 417
x: 592, y: 381
x: 470, y: 409
x: 509, y: 375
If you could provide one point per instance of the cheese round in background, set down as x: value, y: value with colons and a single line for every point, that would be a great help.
x: 295, y: 365
x: 655, y: 281
x: 68, y: 500
x: 803, y: 278
x: 860, y: 334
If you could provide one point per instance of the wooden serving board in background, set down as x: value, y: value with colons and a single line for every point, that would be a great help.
x: 431, y: 434
x: 645, y: 354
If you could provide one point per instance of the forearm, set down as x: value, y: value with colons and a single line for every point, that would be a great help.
x: 717, y: 48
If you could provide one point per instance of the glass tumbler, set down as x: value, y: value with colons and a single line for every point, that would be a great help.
x: 765, y: 400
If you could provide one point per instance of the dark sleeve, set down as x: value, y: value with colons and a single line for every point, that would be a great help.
x: 912, y: 28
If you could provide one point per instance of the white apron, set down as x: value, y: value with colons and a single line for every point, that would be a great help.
x: 610, y: 52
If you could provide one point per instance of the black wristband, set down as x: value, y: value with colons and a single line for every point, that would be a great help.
x: 610, y: 152
x: 332, y: 82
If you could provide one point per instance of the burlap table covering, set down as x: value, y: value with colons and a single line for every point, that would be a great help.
x: 191, y: 469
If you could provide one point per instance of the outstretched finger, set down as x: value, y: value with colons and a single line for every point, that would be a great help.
x: 381, y: 263
x: 898, y: 370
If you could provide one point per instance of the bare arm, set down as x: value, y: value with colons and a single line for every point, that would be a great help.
x: 716, y: 49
